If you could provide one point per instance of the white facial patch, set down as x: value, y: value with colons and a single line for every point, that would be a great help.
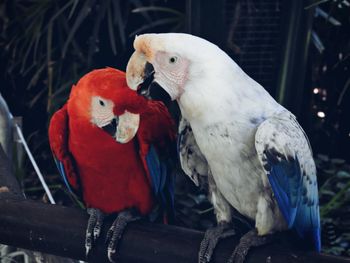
x: 171, y: 72
x: 101, y: 111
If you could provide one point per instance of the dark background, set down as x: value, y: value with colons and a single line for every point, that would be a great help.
x: 298, y: 50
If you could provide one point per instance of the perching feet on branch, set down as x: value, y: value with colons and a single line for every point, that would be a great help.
x: 114, y: 233
x: 249, y: 240
x: 211, y: 239
x: 117, y: 229
x: 93, y: 229
x: 223, y: 230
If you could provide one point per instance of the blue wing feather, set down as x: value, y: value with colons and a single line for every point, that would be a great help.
x: 63, y: 175
x: 285, y: 153
x: 162, y: 181
x: 285, y: 180
x: 300, y: 212
x: 153, y: 165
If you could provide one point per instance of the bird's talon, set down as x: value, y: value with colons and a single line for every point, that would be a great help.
x: 249, y: 240
x: 116, y: 231
x: 97, y: 231
x: 93, y: 228
x: 110, y: 254
x: 210, y: 240
x: 87, y: 251
x: 110, y: 232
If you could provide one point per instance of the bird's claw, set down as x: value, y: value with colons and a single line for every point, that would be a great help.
x: 249, y: 240
x: 93, y: 229
x: 116, y: 231
x: 210, y: 240
x: 110, y: 253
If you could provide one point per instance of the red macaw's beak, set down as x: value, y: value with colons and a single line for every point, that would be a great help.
x: 127, y: 127
x: 128, y: 107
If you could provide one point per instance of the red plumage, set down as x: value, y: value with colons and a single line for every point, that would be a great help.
x: 110, y: 176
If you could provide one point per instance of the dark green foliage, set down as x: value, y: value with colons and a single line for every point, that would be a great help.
x: 53, y: 43
x: 46, y: 46
x: 330, y: 61
x: 329, y: 126
x: 334, y: 204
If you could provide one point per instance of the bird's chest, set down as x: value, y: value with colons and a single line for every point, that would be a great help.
x: 95, y: 150
x: 233, y: 162
x: 111, y: 174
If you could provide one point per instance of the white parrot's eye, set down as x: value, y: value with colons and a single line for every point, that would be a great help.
x: 172, y: 60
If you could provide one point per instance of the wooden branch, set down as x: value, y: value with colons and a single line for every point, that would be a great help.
x: 61, y: 231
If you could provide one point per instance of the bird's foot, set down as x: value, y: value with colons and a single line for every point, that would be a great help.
x: 116, y: 231
x: 210, y: 240
x: 249, y: 240
x: 93, y: 229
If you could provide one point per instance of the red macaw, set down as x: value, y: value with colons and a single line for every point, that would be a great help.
x: 105, y: 141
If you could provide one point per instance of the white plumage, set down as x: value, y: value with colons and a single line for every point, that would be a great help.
x: 255, y: 151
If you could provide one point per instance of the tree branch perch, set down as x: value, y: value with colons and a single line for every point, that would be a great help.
x: 61, y: 231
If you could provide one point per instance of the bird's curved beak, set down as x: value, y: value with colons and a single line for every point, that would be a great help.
x: 140, y: 77
x: 124, y: 127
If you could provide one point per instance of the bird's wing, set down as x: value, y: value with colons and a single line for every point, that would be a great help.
x: 192, y: 160
x: 162, y: 182
x: 155, y: 136
x: 58, y: 138
x: 285, y: 154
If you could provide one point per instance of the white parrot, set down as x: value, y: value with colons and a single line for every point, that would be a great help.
x: 256, y: 155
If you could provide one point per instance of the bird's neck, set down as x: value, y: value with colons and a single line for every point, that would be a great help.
x: 236, y: 96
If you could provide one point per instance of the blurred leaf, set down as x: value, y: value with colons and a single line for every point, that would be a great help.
x: 156, y: 8
x: 323, y: 157
x: 61, y: 10
x: 327, y: 192
x: 336, y: 201
x: 138, y: 4
x: 343, y: 174
x: 36, y: 76
x: 85, y: 10
x: 316, y: 3
x: 337, y: 161
x: 111, y: 32
x: 154, y: 24
x: 343, y: 92
x: 119, y: 21
x: 328, y: 17
x: 329, y: 171
x: 317, y: 42
x: 36, y: 98
x: 73, y: 8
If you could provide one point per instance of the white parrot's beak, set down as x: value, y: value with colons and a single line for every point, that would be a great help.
x: 124, y: 127
x: 140, y: 77
x: 135, y: 70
